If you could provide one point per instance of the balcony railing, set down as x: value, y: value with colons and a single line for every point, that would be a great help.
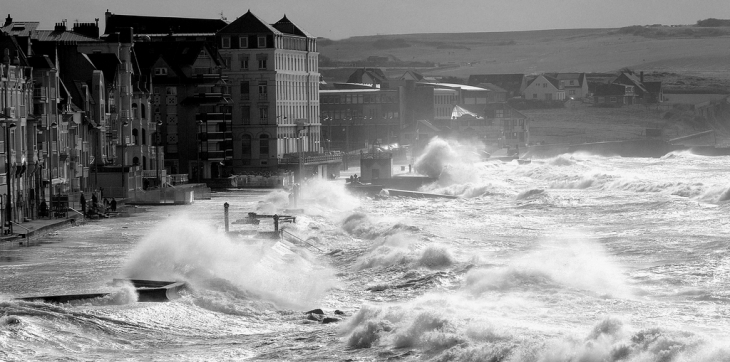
x: 294, y: 159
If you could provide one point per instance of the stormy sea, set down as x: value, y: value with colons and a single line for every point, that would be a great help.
x: 572, y: 258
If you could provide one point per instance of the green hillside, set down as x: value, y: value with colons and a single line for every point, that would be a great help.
x: 687, y: 50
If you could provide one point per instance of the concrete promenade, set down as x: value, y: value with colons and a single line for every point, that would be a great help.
x: 39, y: 227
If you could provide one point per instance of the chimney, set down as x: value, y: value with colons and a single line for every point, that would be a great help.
x: 60, y: 27
x: 8, y: 20
x: 641, y: 76
x: 89, y: 29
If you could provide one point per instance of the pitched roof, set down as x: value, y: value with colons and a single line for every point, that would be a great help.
x: 177, y: 55
x: 249, y: 23
x: 491, y: 87
x: 580, y: 77
x: 10, y: 42
x: 509, y: 82
x: 631, y: 79
x: 412, y: 74
x: 553, y: 81
x: 286, y: 26
x: 458, y: 112
x: 374, y: 73
x: 20, y: 28
x: 162, y: 25
x: 61, y: 36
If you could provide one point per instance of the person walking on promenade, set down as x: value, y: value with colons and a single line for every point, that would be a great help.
x: 82, y: 200
x: 114, y: 204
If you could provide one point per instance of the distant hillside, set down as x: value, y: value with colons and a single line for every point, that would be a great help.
x: 702, y: 51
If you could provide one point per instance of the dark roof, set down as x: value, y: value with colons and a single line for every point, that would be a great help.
x: 580, y: 77
x: 20, y: 28
x: 177, y: 55
x: 162, y: 24
x: 417, y: 76
x: 509, y: 82
x: 61, y: 36
x: 249, y: 23
x: 491, y: 87
x: 375, y: 73
x: 10, y: 42
x: 553, y: 81
x: 107, y: 63
x: 287, y: 27
x: 630, y: 79
x: 41, y: 62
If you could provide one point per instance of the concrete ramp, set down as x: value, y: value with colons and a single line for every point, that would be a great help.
x: 148, y: 291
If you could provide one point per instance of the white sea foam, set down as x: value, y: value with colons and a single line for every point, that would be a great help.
x: 185, y: 249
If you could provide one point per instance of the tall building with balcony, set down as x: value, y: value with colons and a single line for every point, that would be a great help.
x: 274, y: 77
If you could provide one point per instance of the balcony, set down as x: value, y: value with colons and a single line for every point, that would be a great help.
x: 263, y: 96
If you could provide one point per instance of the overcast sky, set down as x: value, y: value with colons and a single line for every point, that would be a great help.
x: 337, y: 19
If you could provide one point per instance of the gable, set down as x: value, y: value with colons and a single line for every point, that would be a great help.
x: 249, y: 23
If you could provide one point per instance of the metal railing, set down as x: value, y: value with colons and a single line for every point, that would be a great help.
x: 289, y: 159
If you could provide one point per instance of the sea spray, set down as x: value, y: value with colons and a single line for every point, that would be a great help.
x: 570, y: 259
x: 448, y: 160
x: 184, y: 249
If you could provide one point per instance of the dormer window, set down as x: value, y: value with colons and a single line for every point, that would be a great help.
x: 243, y: 42
x: 226, y: 42
x: 262, y: 42
x: 160, y: 71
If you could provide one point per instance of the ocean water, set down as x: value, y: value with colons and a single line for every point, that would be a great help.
x: 572, y: 258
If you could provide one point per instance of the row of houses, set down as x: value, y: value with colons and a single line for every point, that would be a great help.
x: 604, y: 89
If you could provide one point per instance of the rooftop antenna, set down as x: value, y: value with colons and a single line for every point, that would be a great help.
x: 223, y: 16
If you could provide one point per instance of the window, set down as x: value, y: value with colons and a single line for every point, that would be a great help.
x: 246, y: 145
x: 499, y: 113
x: 262, y: 42
x: 227, y: 61
x: 160, y: 71
x: 263, y: 90
x: 613, y: 99
x: 245, y: 90
x: 262, y: 63
x: 226, y: 42
x: 263, y: 115
x: 544, y: 85
x: 244, y: 63
x: 571, y: 92
x: 246, y: 115
x: 171, y: 91
x: 243, y: 42
x: 264, y: 144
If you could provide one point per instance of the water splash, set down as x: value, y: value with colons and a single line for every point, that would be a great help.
x: 189, y: 250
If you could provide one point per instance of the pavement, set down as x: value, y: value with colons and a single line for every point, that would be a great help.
x: 39, y: 226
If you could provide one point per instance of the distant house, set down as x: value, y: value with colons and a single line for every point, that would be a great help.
x: 614, y: 95
x: 513, y: 128
x: 514, y: 84
x: 411, y: 75
x: 368, y: 76
x: 646, y: 92
x: 574, y: 84
x: 544, y: 88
